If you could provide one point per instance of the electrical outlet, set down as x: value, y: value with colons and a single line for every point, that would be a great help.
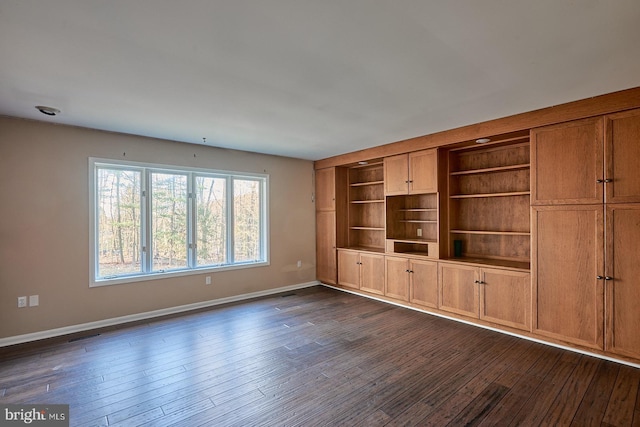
x: 22, y: 302
x: 419, y: 232
x: 34, y: 300
x: 299, y: 263
x: 207, y: 280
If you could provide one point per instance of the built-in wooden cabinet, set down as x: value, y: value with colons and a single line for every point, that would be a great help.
x: 495, y: 295
x: 412, y: 224
x: 568, y: 163
x: 535, y: 231
x: 330, y: 227
x: 568, y: 261
x: 583, y: 278
x: 411, y: 173
x: 325, y: 180
x: 349, y: 268
x: 622, y: 279
x: 622, y: 157
x: 412, y: 279
x: 423, y: 282
x: 586, y: 226
x: 587, y: 161
x: 459, y: 291
x: 488, y: 203
x: 397, y: 275
x: 505, y: 297
x: 326, y: 261
x: 366, y: 211
x: 361, y: 270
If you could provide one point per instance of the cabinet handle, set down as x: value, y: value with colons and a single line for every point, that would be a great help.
x: 407, y: 271
x: 599, y: 277
x: 410, y: 271
x: 608, y: 278
x: 608, y: 180
x: 599, y: 181
x: 479, y: 282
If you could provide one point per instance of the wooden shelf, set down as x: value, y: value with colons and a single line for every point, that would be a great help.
x: 415, y: 240
x: 497, y: 233
x: 485, y: 195
x: 489, y: 170
x: 490, y: 262
x: 361, y: 184
x: 489, y: 191
x: 412, y: 224
x: 365, y: 211
x: 362, y: 248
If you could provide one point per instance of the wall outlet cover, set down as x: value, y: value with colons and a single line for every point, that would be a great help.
x: 34, y: 300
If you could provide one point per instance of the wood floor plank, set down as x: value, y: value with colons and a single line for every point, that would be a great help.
x: 622, y: 402
x: 541, y: 399
x: 565, y: 404
x: 594, y: 403
x: 315, y: 356
x: 453, y: 405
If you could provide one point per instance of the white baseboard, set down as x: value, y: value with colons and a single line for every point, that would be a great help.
x: 19, y: 339
x: 574, y: 350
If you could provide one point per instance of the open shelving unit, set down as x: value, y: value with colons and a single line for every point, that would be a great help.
x: 489, y: 202
x: 366, y: 213
x: 412, y: 224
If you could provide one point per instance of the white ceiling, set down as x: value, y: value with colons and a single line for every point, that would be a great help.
x: 308, y: 78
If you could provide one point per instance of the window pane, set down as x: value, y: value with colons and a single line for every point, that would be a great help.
x: 169, y: 221
x: 119, y: 222
x: 246, y: 227
x: 211, y: 220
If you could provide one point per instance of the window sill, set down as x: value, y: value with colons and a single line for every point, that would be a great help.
x: 174, y: 273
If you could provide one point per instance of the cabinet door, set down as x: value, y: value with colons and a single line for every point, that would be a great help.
x: 397, y: 278
x: 567, y: 161
x: 423, y: 172
x: 372, y: 273
x: 622, y: 157
x: 424, y: 282
x: 505, y: 297
x: 567, y: 258
x: 326, y: 189
x: 623, y: 289
x: 326, y: 263
x: 396, y: 175
x: 349, y: 269
x: 458, y: 289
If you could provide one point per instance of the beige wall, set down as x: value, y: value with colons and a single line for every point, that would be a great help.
x: 44, y: 226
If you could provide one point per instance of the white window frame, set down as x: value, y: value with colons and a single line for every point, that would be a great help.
x: 146, y: 262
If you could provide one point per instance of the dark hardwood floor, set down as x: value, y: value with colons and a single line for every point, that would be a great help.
x: 317, y: 357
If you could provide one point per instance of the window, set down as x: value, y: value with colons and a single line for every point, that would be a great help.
x: 152, y: 220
